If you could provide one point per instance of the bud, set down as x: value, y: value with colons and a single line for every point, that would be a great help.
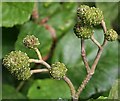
x: 30, y: 41
x: 111, y: 35
x: 90, y: 15
x: 58, y: 70
x: 82, y: 10
x: 95, y: 16
x: 16, y: 61
x: 83, y: 32
x: 22, y: 73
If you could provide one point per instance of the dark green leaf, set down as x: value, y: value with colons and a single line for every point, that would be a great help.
x: 40, y: 32
x: 0, y: 44
x: 61, y: 16
x: 114, y: 91
x: 68, y: 51
x: 49, y: 89
x: 0, y: 13
x: 8, y: 40
x: 110, y: 11
x: 15, y: 13
x: 8, y: 92
x: 99, y: 99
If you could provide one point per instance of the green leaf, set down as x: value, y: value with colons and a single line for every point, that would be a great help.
x: 110, y: 11
x: 16, y: 13
x: 0, y: 13
x: 8, y: 92
x: 8, y: 40
x: 1, y: 90
x: 68, y: 51
x: 0, y: 44
x: 61, y: 21
x: 99, y: 99
x: 114, y: 94
x: 60, y: 15
x: 49, y: 89
x: 30, y: 28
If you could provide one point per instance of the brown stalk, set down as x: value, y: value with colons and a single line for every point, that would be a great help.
x: 39, y: 71
x: 72, y: 89
x: 83, y: 54
x: 40, y: 62
x: 92, y: 70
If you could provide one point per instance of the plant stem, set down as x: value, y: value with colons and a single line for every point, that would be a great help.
x: 95, y: 41
x: 20, y: 85
x: 72, y: 89
x: 104, y: 26
x: 54, y: 40
x: 83, y: 54
x: 39, y: 71
x: 92, y: 70
x: 38, y: 53
x: 84, y: 83
x: 98, y: 56
x: 35, y: 14
x: 41, y: 62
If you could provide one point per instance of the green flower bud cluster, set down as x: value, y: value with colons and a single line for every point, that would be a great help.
x: 17, y: 63
x: 90, y: 15
x: 87, y: 17
x: 111, y: 35
x: 30, y: 41
x: 83, y: 32
x: 58, y: 70
x: 22, y: 73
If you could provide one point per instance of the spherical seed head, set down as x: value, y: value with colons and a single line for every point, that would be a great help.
x: 81, y: 10
x: 16, y: 60
x: 90, y: 15
x: 94, y: 16
x: 111, y: 35
x: 58, y: 70
x: 30, y: 41
x: 83, y: 32
x: 23, y: 73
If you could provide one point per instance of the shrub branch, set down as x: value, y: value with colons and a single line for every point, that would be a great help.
x: 83, y: 54
x: 39, y: 71
x: 72, y: 89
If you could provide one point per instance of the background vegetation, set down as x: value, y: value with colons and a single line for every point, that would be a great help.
x: 62, y: 45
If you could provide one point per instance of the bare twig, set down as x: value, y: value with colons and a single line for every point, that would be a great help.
x: 95, y: 41
x: 51, y: 30
x: 98, y: 56
x: 38, y: 71
x: 84, y: 83
x: 72, y: 89
x: 92, y: 70
x: 35, y: 14
x: 53, y: 34
x: 104, y: 26
x: 83, y: 54
x: 43, y: 21
x: 38, y: 53
x: 40, y: 62
x: 99, y: 50
x: 88, y: 77
x: 104, y: 43
x: 20, y: 85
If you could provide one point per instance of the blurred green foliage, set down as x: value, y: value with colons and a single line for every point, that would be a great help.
x: 15, y: 13
x: 62, y: 17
